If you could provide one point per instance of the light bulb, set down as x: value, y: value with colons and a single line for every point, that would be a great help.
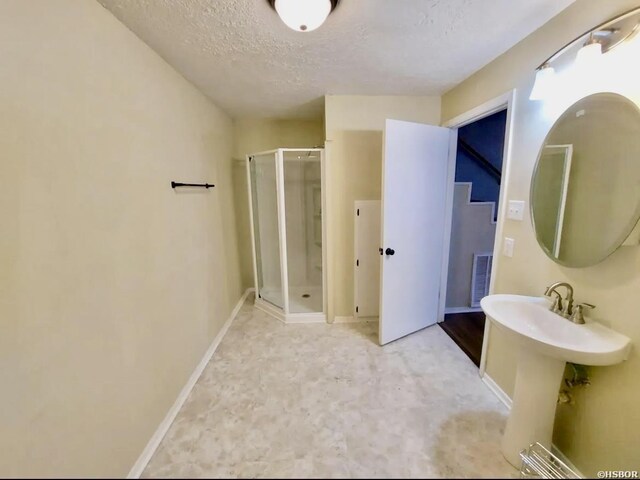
x: 303, y: 16
x: 543, y: 85
x: 589, y: 55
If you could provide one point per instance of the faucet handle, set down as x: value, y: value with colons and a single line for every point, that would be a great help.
x: 577, y: 315
x: 556, y: 306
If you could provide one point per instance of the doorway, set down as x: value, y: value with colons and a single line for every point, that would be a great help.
x: 480, y: 164
x: 418, y: 182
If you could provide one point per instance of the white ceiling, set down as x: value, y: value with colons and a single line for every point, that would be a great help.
x: 250, y: 64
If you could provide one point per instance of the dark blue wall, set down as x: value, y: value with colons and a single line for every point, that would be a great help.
x: 486, y: 136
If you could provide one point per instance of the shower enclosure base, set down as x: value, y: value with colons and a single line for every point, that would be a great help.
x: 301, y: 299
x: 303, y: 309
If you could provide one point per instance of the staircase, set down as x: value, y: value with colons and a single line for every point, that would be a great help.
x: 473, y: 231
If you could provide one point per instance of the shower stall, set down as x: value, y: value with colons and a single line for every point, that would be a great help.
x: 286, y: 199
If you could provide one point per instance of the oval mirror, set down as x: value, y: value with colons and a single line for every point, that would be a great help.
x: 585, y: 189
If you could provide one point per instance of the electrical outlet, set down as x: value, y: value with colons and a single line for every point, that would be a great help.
x: 516, y: 210
x: 507, y: 246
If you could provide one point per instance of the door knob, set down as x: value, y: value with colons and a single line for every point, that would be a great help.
x: 389, y: 251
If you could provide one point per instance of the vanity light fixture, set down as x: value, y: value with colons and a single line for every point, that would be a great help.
x: 303, y: 15
x: 590, y: 53
x: 597, y: 41
x: 545, y: 75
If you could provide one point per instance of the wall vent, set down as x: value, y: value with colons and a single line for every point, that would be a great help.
x: 480, y: 277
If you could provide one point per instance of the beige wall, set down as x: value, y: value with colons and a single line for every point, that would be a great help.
x: 112, y: 284
x: 602, y: 430
x: 354, y: 126
x: 259, y: 135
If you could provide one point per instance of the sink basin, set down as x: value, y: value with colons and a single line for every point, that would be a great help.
x: 550, y: 334
x: 547, y: 341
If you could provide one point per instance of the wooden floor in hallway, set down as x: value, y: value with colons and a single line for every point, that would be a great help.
x: 467, y: 330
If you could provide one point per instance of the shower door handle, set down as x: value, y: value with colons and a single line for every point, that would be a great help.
x: 389, y: 251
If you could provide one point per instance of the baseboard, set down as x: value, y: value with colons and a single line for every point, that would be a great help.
x: 163, y: 428
x: 462, y: 310
x: 352, y: 319
x: 506, y: 400
x: 348, y: 319
x: 498, y: 392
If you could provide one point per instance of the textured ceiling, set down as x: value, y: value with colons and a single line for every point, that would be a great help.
x: 249, y: 63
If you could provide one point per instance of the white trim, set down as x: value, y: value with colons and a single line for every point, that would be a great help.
x: 355, y: 258
x: 448, y: 310
x: 266, y: 152
x: 163, y: 428
x: 251, y: 220
x: 346, y: 319
x: 506, y: 400
x: 270, y: 309
x: 305, y: 318
x: 282, y: 230
x: 498, y: 392
x: 505, y: 101
x: 488, y: 108
x: 323, y: 219
x: 327, y: 225
x: 448, y: 224
x: 350, y: 319
x: 290, y: 318
x: 300, y: 149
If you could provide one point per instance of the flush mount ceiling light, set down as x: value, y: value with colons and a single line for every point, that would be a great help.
x: 303, y: 15
x: 597, y: 41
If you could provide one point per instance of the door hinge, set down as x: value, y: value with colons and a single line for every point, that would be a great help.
x: 358, y: 212
x: 357, y: 308
x: 357, y: 263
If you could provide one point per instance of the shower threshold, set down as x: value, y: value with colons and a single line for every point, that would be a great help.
x: 305, y: 304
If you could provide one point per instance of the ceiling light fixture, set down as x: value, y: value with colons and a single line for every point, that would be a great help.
x: 303, y: 15
x: 599, y: 40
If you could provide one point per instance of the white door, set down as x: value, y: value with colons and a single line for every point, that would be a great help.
x: 415, y: 178
x: 367, y: 258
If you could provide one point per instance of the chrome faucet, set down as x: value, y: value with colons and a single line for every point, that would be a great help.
x: 577, y: 315
x: 561, y: 306
x: 564, y: 306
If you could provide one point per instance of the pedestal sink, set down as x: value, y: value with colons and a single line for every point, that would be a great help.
x: 546, y: 342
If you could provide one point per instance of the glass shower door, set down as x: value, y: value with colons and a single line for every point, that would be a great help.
x: 303, y: 223
x: 264, y: 199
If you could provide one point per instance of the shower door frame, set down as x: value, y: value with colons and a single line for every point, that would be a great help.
x: 284, y: 314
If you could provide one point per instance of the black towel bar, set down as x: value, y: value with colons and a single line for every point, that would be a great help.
x: 201, y: 185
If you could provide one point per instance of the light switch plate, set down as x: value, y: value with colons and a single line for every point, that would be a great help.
x: 516, y: 210
x: 507, y: 246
